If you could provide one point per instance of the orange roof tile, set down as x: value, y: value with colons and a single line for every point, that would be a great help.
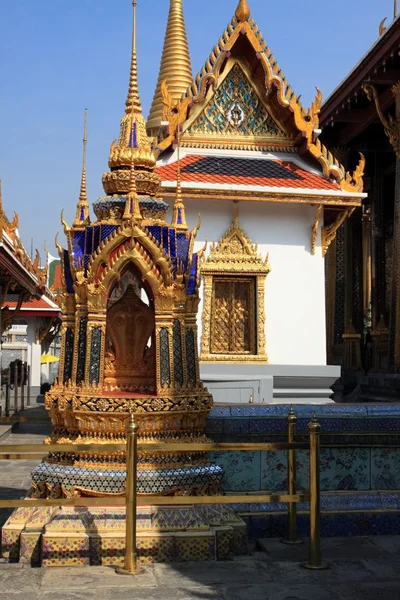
x: 32, y: 303
x: 249, y: 171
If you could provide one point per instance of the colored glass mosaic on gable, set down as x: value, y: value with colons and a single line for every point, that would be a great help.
x: 235, y: 109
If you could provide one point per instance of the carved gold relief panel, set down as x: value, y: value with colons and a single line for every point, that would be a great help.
x: 233, y: 316
x: 234, y: 287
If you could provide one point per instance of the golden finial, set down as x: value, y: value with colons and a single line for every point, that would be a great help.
x: 175, y: 67
x: 395, y: 9
x: 243, y: 11
x: 179, y: 217
x: 82, y: 209
x: 236, y: 218
x: 133, y: 101
x: 132, y: 208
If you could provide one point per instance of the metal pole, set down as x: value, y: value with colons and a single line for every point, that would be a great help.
x: 22, y: 386
x: 28, y: 385
x: 315, y: 558
x: 291, y: 479
x: 15, y: 388
x: 7, y: 411
x: 130, y: 563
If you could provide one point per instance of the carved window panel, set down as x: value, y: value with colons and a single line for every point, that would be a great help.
x: 233, y: 327
x: 234, y: 298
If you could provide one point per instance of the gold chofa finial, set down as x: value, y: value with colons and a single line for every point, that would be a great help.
x: 243, y: 11
x: 133, y: 101
x: 82, y: 209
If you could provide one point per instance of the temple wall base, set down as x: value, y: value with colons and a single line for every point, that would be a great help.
x: 269, y: 384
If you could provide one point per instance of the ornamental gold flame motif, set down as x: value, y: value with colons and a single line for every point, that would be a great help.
x: 129, y: 333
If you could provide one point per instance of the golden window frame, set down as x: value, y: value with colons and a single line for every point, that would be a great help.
x: 235, y: 257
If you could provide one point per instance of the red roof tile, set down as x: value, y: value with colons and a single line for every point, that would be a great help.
x: 32, y: 303
x: 245, y: 171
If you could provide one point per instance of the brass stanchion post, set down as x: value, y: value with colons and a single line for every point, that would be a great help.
x: 291, y: 479
x: 7, y: 411
x: 130, y: 563
x: 28, y: 385
x: 23, y: 386
x: 15, y: 388
x: 315, y: 558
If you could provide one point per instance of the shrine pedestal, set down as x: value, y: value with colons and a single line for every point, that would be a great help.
x: 68, y: 537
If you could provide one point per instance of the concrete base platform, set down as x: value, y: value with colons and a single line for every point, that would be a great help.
x: 270, y: 384
x: 77, y: 537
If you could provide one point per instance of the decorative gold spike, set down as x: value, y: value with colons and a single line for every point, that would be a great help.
x: 82, y: 217
x: 175, y: 67
x: 179, y: 217
x: 67, y: 228
x: 132, y: 208
x: 243, y: 11
x: 133, y: 103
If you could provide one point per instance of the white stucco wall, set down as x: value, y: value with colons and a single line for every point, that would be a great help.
x: 295, y: 289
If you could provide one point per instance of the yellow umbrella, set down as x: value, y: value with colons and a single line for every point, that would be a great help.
x: 48, y: 358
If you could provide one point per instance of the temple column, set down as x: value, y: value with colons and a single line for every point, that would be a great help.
x: 95, y: 348
x: 379, y: 330
x: 392, y: 130
x: 330, y: 296
x: 191, y: 351
x: 353, y: 303
x: 67, y: 340
x: 164, y: 346
x: 394, y: 325
x: 80, y: 342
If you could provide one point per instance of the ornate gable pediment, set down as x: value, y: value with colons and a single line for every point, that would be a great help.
x: 235, y: 110
x: 235, y: 251
x: 242, y: 41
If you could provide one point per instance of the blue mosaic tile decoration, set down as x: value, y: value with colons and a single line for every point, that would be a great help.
x: 332, y: 525
x: 341, y: 469
x: 385, y: 468
x: 241, y: 470
x: 235, y: 109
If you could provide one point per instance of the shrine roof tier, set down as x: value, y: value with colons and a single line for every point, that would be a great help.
x: 241, y: 100
x: 252, y: 175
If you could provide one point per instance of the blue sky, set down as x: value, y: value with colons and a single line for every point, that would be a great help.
x: 58, y: 57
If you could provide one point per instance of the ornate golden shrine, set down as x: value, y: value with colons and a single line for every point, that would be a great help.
x: 234, y: 290
x: 129, y: 333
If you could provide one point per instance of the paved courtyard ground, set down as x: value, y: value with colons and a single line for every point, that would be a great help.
x: 360, y: 568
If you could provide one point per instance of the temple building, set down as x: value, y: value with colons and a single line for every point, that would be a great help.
x: 248, y: 158
x: 362, y: 271
x: 29, y: 315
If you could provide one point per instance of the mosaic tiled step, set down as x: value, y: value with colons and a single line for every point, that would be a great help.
x: 79, y: 537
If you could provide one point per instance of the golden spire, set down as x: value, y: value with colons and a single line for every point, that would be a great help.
x: 243, y: 11
x: 82, y: 217
x: 133, y: 142
x: 175, y: 65
x: 179, y: 217
x: 133, y: 101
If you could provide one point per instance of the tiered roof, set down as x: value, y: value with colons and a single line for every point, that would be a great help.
x: 241, y: 100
